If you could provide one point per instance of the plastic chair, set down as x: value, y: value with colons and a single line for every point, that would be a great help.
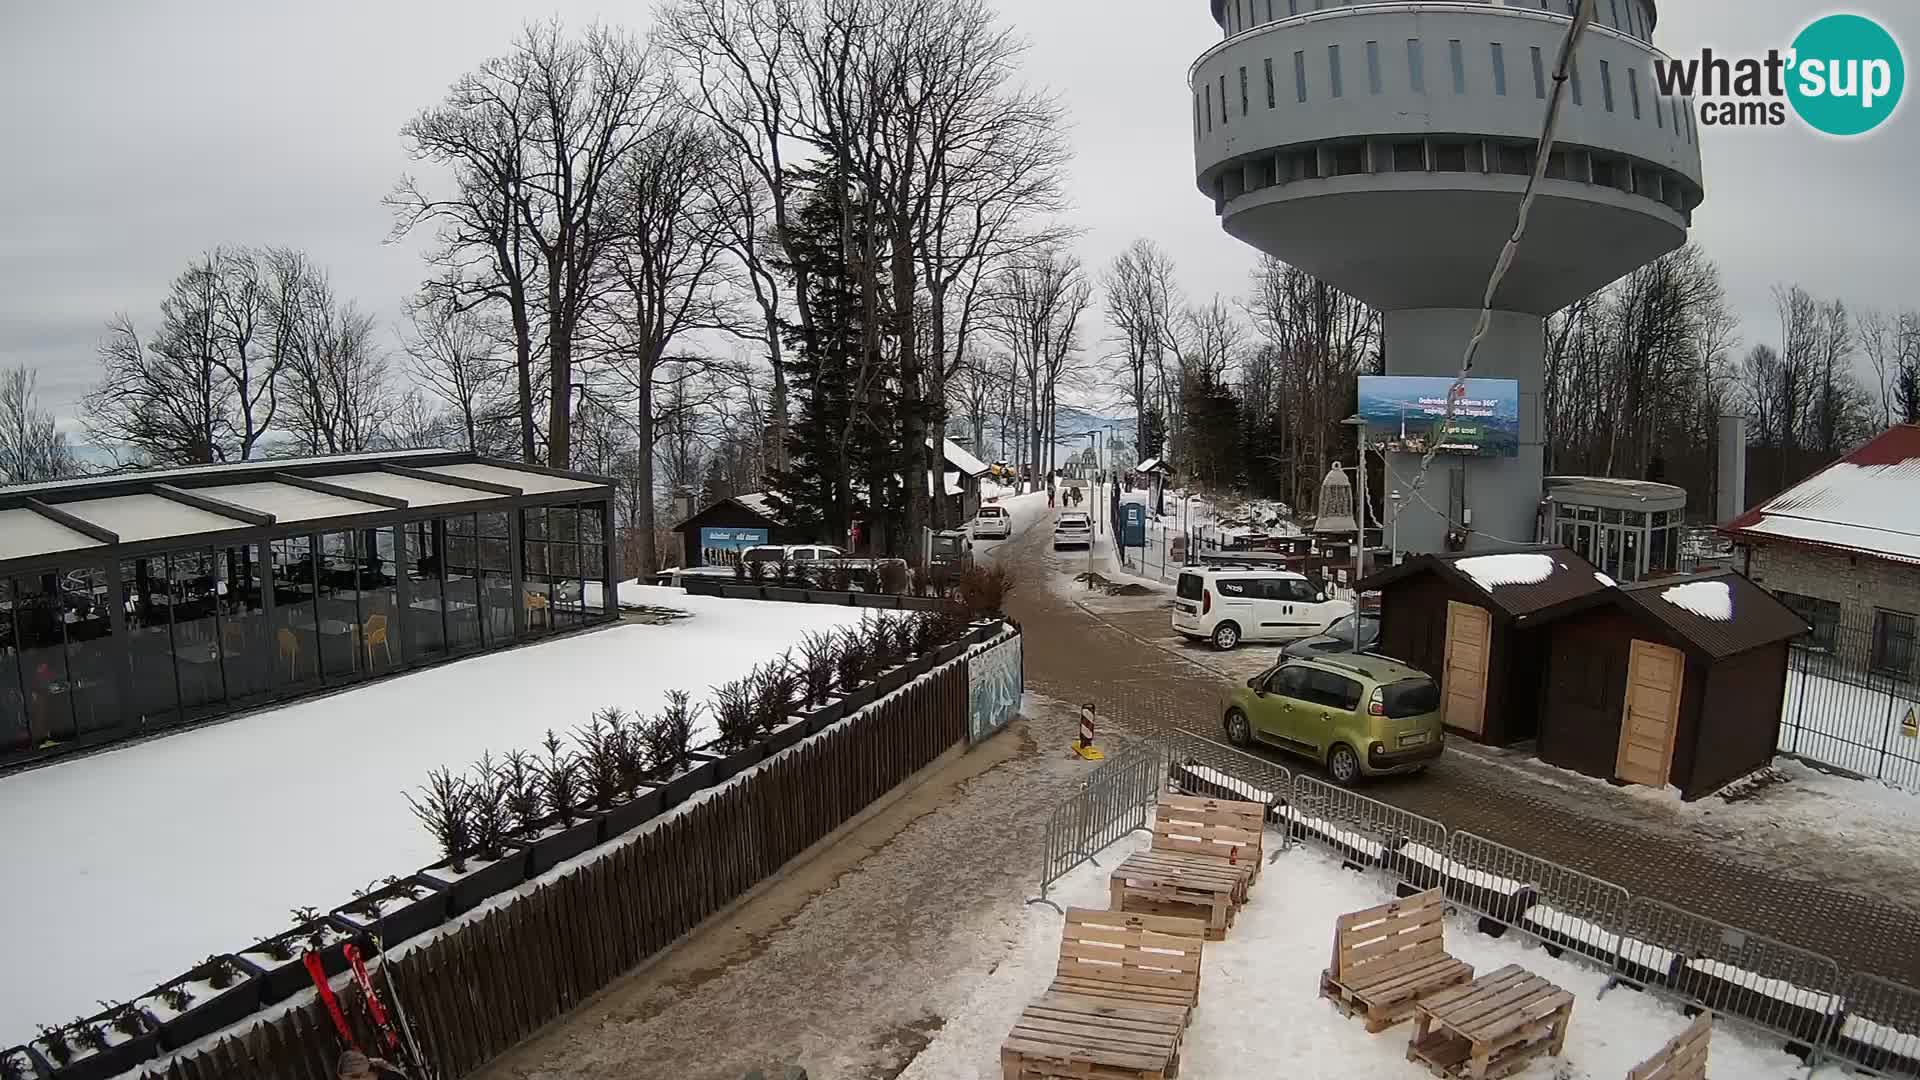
x: 537, y: 610
x: 289, y: 648
x: 375, y: 633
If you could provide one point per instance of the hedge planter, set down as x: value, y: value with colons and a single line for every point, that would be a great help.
x: 891, y: 679
x: 480, y: 880
x: 877, y: 600
x: 85, y: 1061
x: 683, y: 785
x: 948, y: 653
x: 730, y: 763
x: 788, y: 595
x: 820, y: 717
x: 630, y: 813
x: 702, y: 586
x: 786, y: 735
x: 743, y: 592
x: 23, y: 1061
x: 405, y: 909
x: 280, y: 979
x: 207, y: 1008
x: 555, y: 842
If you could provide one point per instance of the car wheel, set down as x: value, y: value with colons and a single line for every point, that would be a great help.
x: 1343, y: 764
x: 1226, y: 636
x: 1239, y: 733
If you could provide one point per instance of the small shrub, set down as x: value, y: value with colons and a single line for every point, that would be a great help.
x: 560, y: 780
x: 492, y: 824
x: 776, y: 689
x: 395, y: 885
x: 365, y: 903
x: 522, y: 792
x: 218, y: 972
x: 734, y: 714
x: 669, y: 738
x: 764, y: 572
x: 818, y: 652
x: 782, y: 568
x: 922, y: 632
x: 12, y: 1067
x: 984, y: 590
x: 600, y: 757
x: 177, y: 997
x: 949, y: 625
x: 88, y: 1035
x: 741, y: 571
x: 278, y: 949
x: 58, y: 1043
x: 312, y: 926
x: 839, y: 578
x: 884, y: 640
x: 869, y: 579
x: 802, y: 575
x: 126, y: 1019
x: 629, y: 747
x: 445, y: 807
x: 893, y: 577
x: 853, y: 665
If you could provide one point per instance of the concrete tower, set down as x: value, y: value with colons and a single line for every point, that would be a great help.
x: 1382, y: 145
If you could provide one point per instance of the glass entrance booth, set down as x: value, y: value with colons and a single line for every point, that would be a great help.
x: 135, y: 602
x: 1630, y: 529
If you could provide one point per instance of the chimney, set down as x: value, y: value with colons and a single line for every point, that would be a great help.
x: 1732, y: 484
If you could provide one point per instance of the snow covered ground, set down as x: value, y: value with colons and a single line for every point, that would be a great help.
x: 1260, y: 1014
x: 131, y: 865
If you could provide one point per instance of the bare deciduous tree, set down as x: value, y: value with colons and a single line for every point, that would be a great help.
x: 32, y: 447
x: 453, y: 355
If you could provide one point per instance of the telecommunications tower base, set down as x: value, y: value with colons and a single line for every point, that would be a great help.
x: 1383, y: 146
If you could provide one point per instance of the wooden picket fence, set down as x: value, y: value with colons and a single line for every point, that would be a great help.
x: 477, y: 990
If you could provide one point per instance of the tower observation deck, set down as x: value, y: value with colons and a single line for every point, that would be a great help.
x: 1383, y: 146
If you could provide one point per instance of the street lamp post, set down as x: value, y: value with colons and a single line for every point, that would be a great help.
x: 1359, y: 425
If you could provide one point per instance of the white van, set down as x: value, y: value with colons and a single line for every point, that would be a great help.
x: 1227, y: 607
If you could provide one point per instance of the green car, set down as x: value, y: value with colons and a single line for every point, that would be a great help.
x: 1363, y: 715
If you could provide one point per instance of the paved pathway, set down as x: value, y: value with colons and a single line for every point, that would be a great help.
x: 1113, y: 661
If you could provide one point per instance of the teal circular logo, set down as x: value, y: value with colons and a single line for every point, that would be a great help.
x: 1847, y: 75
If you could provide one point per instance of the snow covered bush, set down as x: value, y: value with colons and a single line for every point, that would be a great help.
x: 312, y: 926
x: 853, y: 666
x: 127, y: 1020
x: 629, y: 748
x: 217, y: 971
x: 669, y: 737
x: 445, y: 807
x: 560, y: 780
x: 177, y: 997
x: 58, y: 1043
x: 87, y: 1035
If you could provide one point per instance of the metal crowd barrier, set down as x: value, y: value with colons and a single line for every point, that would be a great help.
x: 1111, y: 803
x: 1863, y: 1021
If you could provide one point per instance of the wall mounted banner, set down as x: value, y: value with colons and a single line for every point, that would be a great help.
x: 995, y: 681
x: 724, y: 545
x: 1404, y: 414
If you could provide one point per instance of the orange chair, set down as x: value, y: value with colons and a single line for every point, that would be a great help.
x: 375, y: 633
x: 537, y: 610
x: 289, y: 648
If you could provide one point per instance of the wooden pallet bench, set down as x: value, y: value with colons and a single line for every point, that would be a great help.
x: 1150, y: 883
x: 1212, y: 832
x: 1131, y: 959
x: 1069, y: 1035
x: 1683, y: 1058
x: 1491, y: 1027
x: 1386, y: 958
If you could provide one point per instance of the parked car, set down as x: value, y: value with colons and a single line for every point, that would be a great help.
x: 1339, y: 637
x: 992, y: 523
x: 1073, y: 528
x: 1359, y: 715
x: 792, y: 553
x: 1227, y: 607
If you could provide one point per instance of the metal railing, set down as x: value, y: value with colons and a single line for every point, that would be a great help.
x: 1111, y: 803
x: 1823, y: 1013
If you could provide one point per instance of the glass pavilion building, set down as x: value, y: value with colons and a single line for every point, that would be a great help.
x: 134, y: 602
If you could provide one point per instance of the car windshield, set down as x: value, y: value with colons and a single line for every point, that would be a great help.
x: 1343, y: 626
x: 762, y: 554
x: 1190, y: 587
x: 1411, y: 697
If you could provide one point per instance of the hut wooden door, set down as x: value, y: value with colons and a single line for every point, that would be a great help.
x: 1464, y: 672
x: 1651, y: 714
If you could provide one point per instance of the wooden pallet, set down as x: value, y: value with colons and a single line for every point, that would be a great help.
x: 1386, y: 958
x: 1220, y: 833
x: 1057, y: 1038
x: 1490, y: 1027
x: 1683, y: 1058
x: 1154, y: 884
x: 1123, y: 957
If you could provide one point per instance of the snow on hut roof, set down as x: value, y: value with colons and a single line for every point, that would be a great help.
x: 1865, y: 502
x: 1720, y: 612
x: 958, y: 457
x: 1517, y: 582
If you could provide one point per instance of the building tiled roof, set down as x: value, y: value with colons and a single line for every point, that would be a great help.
x: 1754, y: 617
x: 1867, y: 502
x: 1517, y: 583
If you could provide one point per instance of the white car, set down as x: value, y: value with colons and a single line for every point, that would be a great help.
x: 1227, y: 607
x: 992, y: 523
x: 1072, y: 529
x: 793, y: 553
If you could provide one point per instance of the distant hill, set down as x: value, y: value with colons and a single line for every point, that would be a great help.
x: 1072, y: 420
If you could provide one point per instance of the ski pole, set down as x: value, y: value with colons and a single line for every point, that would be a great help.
x: 406, y: 1025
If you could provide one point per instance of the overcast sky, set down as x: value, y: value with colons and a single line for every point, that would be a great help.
x: 141, y: 133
